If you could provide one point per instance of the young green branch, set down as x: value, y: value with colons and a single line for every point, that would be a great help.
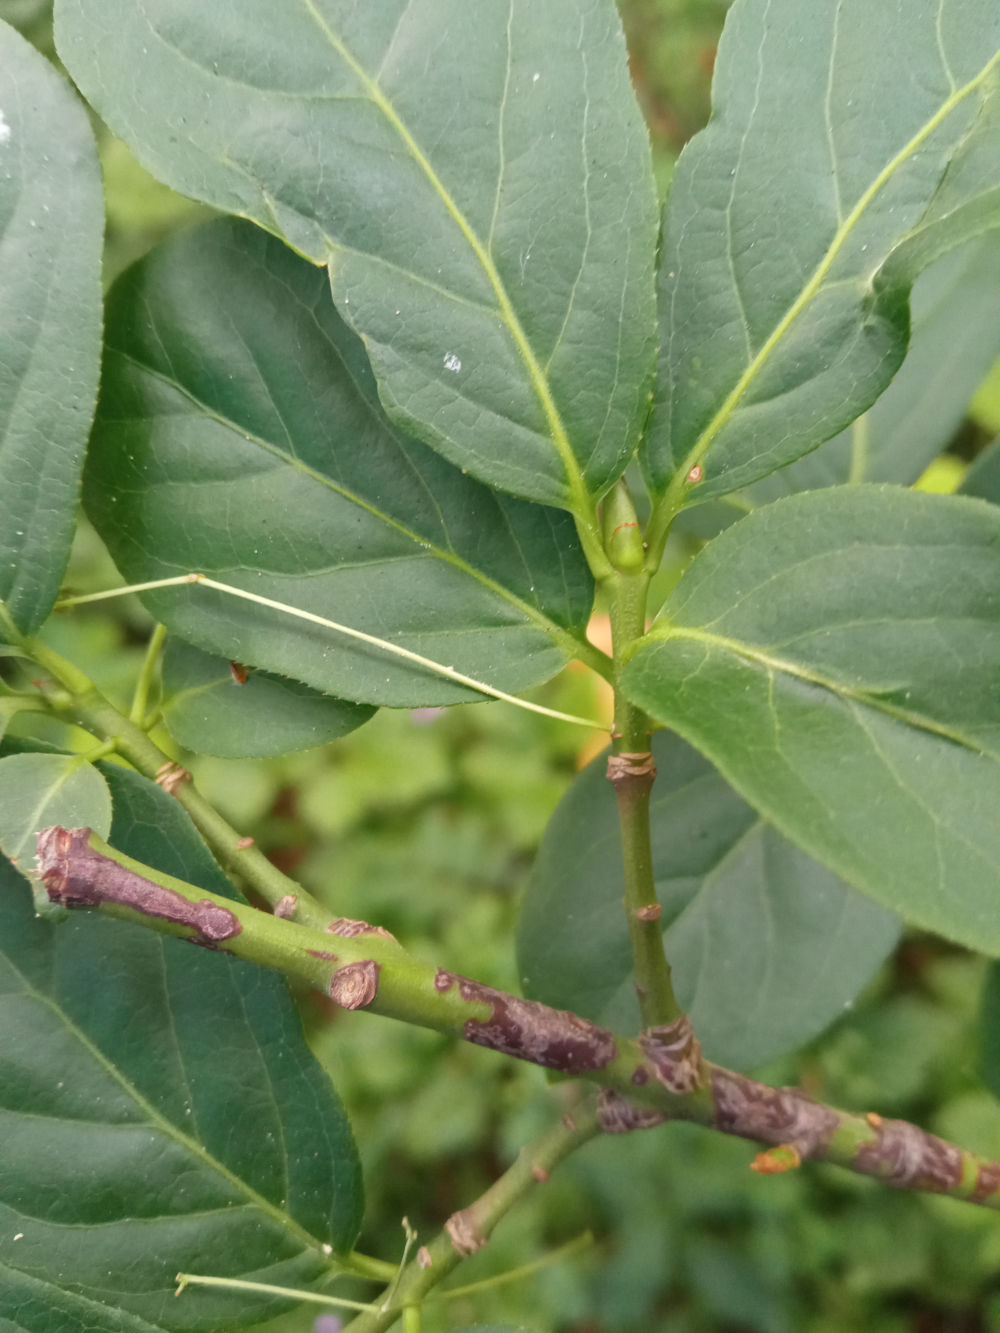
x: 645, y: 1081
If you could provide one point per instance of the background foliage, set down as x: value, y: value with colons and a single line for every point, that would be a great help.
x: 428, y: 822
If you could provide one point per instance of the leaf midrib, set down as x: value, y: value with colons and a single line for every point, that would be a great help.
x: 165, y: 1126
x: 577, y: 488
x: 567, y: 639
x: 698, y: 452
x: 772, y: 664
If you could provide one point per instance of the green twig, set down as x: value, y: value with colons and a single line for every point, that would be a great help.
x: 645, y: 1081
x: 81, y: 701
x: 469, y: 1230
x: 632, y: 772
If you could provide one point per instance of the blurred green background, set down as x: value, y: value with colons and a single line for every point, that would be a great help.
x: 427, y: 823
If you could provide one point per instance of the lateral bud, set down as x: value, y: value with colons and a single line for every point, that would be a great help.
x: 621, y: 531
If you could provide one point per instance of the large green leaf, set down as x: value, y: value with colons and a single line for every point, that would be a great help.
x: 766, y: 945
x: 851, y: 144
x: 51, y: 223
x: 837, y: 656
x: 954, y: 341
x: 159, y: 1112
x: 477, y: 177
x: 210, y: 709
x: 239, y: 434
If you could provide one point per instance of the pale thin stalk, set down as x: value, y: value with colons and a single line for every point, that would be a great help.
x: 438, y: 668
x: 140, y: 698
x: 185, y: 1280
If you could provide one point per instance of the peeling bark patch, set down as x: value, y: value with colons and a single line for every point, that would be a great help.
x: 987, y: 1181
x: 640, y: 1076
x: 424, y: 1259
x: 908, y: 1157
x: 777, y: 1116
x: 618, y: 1116
x: 675, y: 1054
x: 349, y: 929
x: 356, y: 985
x: 628, y: 767
x: 466, y: 1237
x: 322, y: 953
x: 444, y: 980
x: 77, y: 876
x: 648, y: 914
x: 170, y: 776
x: 540, y: 1174
x: 285, y: 907
x: 531, y: 1031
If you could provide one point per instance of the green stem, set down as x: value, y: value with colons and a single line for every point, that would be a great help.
x: 632, y: 772
x: 140, y: 700
x: 84, y: 704
x: 469, y: 1230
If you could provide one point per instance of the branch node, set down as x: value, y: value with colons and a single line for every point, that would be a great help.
x: 631, y: 767
x: 355, y: 985
x: 648, y: 914
x: 466, y: 1238
x: 170, y: 776
x: 675, y: 1054
x: 285, y: 907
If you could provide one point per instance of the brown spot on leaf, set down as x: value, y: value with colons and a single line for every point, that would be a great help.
x: 355, y: 985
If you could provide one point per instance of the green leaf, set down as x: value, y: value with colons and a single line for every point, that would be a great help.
x: 239, y: 434
x: 208, y: 710
x: 39, y: 790
x: 836, y: 655
x: 954, y: 341
x: 477, y: 177
x: 851, y: 144
x: 983, y: 478
x: 766, y: 945
x: 51, y: 224
x: 159, y: 1112
x: 989, y: 1030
